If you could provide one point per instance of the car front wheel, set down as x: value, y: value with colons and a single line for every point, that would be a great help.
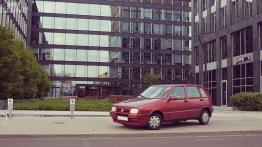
x: 204, y: 117
x: 154, y: 121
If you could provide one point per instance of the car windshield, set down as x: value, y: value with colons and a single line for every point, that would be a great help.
x: 156, y: 92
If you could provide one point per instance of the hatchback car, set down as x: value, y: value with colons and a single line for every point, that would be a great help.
x: 160, y: 103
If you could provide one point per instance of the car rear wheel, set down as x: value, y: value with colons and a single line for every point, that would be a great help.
x: 154, y: 121
x: 204, y: 117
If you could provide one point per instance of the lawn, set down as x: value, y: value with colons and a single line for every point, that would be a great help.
x: 63, y: 105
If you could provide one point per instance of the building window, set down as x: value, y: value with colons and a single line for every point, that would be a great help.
x: 157, y: 29
x: 125, y: 12
x: 211, y: 84
x: 136, y: 73
x: 168, y: 15
x: 125, y: 42
x: 248, y: 10
x: 125, y: 73
x: 236, y: 11
x: 259, y: 6
x: 222, y: 18
x: 187, y: 45
x: 178, y: 45
x: 204, y: 25
x: 196, y: 51
x: 168, y: 29
x: 147, y: 58
x: 197, y: 78
x: 212, y: 2
x: 178, y: 15
x: 147, y: 43
x: 243, y: 78
x: 213, y: 22
x: 135, y: 12
x: 211, y: 51
x: 187, y: 59
x: 178, y: 30
x: 157, y: 44
x: 136, y: 57
x: 224, y: 74
x: 242, y: 41
x: 135, y: 43
x: 147, y: 28
x: 186, y: 17
x: 223, y: 47
x: 204, y: 5
x: 136, y: 27
x: 147, y: 13
x: 157, y: 14
x: 125, y: 27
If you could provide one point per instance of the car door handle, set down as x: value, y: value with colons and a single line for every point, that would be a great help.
x: 185, y: 101
x: 201, y: 100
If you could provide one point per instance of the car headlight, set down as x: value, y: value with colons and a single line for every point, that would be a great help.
x: 134, y: 111
x: 113, y: 109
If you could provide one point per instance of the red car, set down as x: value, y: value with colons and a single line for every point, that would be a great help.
x: 161, y: 103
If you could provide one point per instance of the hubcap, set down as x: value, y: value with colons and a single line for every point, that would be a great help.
x: 205, y: 117
x: 154, y: 121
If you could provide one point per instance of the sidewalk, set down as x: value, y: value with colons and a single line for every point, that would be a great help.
x: 222, y: 121
x: 30, y: 113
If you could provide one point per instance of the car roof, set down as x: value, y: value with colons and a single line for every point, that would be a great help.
x: 177, y: 85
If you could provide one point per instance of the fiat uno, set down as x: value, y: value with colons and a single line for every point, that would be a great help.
x: 161, y: 103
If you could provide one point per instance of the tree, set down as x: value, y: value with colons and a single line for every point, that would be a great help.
x: 20, y: 74
x: 149, y: 79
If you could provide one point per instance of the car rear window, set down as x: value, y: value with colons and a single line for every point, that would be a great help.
x: 193, y: 92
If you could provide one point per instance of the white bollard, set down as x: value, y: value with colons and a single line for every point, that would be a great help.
x: 10, y: 104
x: 72, y: 107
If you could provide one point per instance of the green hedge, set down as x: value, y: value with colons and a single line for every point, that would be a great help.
x: 63, y: 105
x: 248, y: 101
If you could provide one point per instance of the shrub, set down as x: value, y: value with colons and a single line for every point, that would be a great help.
x: 63, y: 105
x: 247, y: 101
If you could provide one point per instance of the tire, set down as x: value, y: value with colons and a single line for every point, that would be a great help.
x: 155, y: 121
x: 204, y: 117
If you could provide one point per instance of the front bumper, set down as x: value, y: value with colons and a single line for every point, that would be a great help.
x: 133, y: 119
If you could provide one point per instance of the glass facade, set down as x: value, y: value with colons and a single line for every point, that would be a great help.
x: 98, y: 43
x: 13, y: 14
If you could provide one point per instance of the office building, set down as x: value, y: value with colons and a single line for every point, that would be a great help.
x: 230, y: 32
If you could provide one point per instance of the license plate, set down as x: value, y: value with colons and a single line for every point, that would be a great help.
x: 123, y: 118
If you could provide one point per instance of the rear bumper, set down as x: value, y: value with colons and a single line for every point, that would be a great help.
x: 133, y: 119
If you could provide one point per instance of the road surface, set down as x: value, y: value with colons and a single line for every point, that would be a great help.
x: 168, y: 140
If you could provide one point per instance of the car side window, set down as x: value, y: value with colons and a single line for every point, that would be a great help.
x: 179, y: 93
x: 193, y: 92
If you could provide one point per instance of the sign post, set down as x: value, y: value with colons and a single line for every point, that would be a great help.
x: 10, y: 107
x: 72, y: 107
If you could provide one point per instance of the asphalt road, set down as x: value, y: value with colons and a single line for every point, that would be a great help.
x: 169, y: 140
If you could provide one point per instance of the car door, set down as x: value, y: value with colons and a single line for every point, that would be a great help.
x: 176, y: 106
x: 195, y: 101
